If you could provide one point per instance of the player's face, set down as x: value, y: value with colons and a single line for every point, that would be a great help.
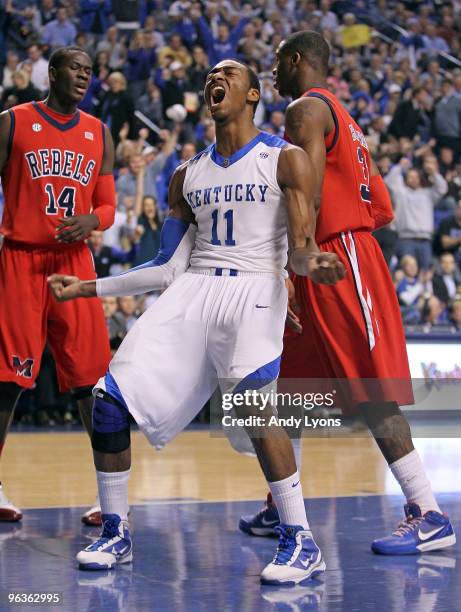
x: 282, y: 72
x: 227, y: 90
x: 72, y: 79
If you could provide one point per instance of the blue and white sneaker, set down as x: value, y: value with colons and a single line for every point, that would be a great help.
x: 417, y: 534
x: 264, y: 522
x: 113, y: 547
x: 298, y: 558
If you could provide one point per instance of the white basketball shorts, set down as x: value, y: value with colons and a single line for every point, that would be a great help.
x: 207, y: 328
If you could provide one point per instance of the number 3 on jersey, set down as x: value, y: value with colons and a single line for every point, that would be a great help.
x: 229, y: 218
x: 65, y: 201
x: 365, y: 186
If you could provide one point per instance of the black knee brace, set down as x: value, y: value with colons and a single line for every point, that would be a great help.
x: 111, y: 424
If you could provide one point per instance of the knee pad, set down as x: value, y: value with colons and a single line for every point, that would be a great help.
x: 111, y: 424
x: 82, y: 392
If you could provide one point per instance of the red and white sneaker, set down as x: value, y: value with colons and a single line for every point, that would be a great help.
x: 92, y: 517
x: 8, y: 511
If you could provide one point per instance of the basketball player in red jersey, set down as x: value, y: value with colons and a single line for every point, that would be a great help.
x: 56, y: 168
x: 352, y: 330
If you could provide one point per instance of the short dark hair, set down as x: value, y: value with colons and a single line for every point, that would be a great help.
x: 58, y: 56
x: 311, y: 46
x: 254, y: 84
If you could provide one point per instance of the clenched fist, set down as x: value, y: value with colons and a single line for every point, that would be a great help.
x: 324, y: 268
x: 66, y: 287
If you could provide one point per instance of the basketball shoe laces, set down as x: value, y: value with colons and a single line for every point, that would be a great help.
x: 408, y: 525
x: 108, y: 536
x: 286, y: 547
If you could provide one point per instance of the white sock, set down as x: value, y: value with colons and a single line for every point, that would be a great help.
x: 113, y: 492
x: 411, y: 476
x: 287, y: 494
x: 297, y: 449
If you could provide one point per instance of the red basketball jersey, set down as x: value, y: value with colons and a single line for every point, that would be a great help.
x: 345, y: 202
x: 53, y: 165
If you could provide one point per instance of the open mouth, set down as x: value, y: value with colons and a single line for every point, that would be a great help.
x: 217, y: 95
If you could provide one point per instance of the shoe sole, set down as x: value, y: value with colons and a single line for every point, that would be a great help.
x: 266, y: 532
x: 316, y: 570
x: 437, y: 544
x: 421, y: 548
x: 95, y: 567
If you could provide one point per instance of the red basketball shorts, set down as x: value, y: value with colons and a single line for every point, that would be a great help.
x: 352, y: 330
x: 30, y: 316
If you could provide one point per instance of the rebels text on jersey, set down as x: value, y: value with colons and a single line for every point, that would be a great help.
x: 53, y: 165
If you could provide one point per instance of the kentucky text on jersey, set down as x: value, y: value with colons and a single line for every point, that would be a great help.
x: 241, y: 192
x: 54, y: 162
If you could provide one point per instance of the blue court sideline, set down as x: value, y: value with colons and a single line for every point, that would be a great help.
x: 189, y: 556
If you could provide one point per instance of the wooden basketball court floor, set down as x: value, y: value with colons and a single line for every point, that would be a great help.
x: 188, y: 553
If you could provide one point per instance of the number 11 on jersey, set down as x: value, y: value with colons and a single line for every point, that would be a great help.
x: 229, y: 218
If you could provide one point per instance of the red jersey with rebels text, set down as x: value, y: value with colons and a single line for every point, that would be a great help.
x: 53, y: 165
x: 345, y: 201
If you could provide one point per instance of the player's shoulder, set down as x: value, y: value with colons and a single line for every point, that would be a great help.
x: 311, y: 106
x: 271, y: 140
x: 200, y: 156
x: 22, y: 109
x: 91, y: 119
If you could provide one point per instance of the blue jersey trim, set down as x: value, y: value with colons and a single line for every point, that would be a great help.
x: 273, y: 141
x: 226, y: 162
x: 113, y: 390
x: 320, y: 96
x: 260, y: 377
x: 60, y: 126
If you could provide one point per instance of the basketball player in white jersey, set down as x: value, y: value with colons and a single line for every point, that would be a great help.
x: 223, y: 255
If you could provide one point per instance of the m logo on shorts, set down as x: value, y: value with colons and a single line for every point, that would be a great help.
x: 23, y: 368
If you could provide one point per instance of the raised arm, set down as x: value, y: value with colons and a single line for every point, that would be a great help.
x: 296, y: 177
x: 177, y: 240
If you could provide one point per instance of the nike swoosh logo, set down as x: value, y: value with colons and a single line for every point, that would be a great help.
x: 258, y: 306
x: 295, y: 484
x: 269, y: 523
x: 426, y: 535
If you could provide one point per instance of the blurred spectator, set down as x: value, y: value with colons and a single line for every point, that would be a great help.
x: 449, y: 233
x: 150, y: 103
x: 198, y: 70
x: 127, y: 311
x: 116, y: 108
x: 59, y: 32
x: 414, y: 208
x: 114, y: 48
x: 410, y: 290
x: 175, y: 51
x: 116, y: 326
x: 22, y: 90
x: 411, y: 115
x: 146, y: 167
x: 39, y: 75
x: 47, y: 11
x: 446, y: 281
x: 149, y: 221
x: 141, y: 57
x: 447, y: 119
x: 95, y: 16
x: 105, y: 256
x: 12, y: 62
x: 222, y: 46
x: 455, y: 314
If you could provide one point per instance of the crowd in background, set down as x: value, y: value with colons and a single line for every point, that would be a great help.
x: 396, y: 66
